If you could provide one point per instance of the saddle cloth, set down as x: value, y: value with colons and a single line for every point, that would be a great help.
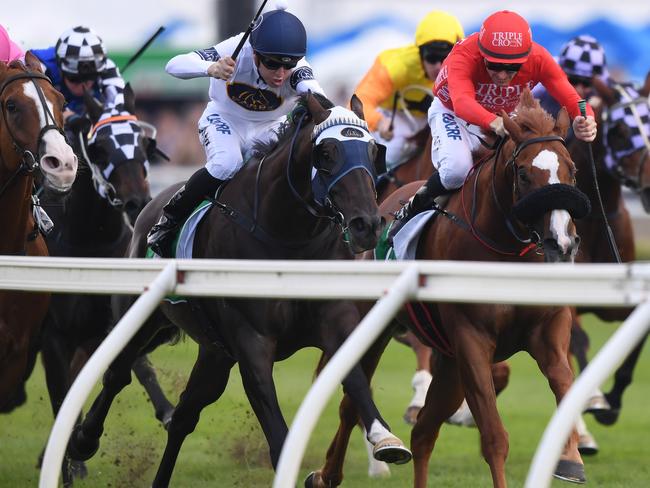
x: 405, y: 242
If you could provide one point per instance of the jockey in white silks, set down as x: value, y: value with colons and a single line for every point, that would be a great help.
x: 249, y: 98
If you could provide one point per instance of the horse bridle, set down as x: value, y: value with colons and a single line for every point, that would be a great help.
x: 335, y: 214
x: 534, y: 239
x: 28, y: 161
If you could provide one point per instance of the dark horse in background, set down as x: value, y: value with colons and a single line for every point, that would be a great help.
x: 30, y: 137
x: 622, y: 158
x: 512, y: 204
x: 93, y: 220
x: 290, y: 202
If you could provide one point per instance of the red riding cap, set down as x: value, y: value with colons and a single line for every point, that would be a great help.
x: 505, y: 37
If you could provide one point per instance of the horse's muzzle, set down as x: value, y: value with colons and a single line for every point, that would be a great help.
x: 558, y: 196
x: 364, y: 232
x: 553, y: 253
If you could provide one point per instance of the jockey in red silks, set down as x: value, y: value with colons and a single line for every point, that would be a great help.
x: 9, y: 50
x: 484, y: 74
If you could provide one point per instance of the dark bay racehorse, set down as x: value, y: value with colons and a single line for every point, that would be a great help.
x: 523, y: 196
x: 93, y: 220
x: 289, y: 204
x: 30, y: 137
x: 622, y: 158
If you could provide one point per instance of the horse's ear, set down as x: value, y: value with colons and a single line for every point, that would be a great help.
x: 527, y: 99
x: 94, y: 108
x: 129, y: 98
x: 645, y: 89
x: 32, y: 62
x: 515, y: 132
x: 357, y: 106
x: 318, y: 113
x: 562, y: 123
x: 605, y: 91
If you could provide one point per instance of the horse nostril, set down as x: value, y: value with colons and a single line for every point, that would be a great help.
x: 50, y: 162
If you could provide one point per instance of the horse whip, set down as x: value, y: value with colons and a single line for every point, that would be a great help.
x: 610, y: 237
x: 394, y: 111
x: 143, y: 48
x: 251, y: 26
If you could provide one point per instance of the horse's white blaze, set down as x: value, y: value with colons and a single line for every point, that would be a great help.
x: 30, y: 90
x: 58, y: 161
x: 560, y: 220
x: 548, y: 161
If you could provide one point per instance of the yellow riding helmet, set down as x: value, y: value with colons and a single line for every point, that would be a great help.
x: 439, y: 26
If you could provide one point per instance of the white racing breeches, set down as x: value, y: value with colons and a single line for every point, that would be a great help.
x: 399, y: 148
x: 228, y: 140
x: 454, y: 141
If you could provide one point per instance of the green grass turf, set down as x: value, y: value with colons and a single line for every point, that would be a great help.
x: 228, y: 448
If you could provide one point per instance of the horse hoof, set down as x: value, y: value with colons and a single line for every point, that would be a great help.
x: 81, y: 447
x: 587, y: 445
x: 411, y: 415
x: 315, y: 480
x: 391, y: 450
x: 570, y: 471
x: 607, y: 417
x: 596, y: 404
x: 78, y: 469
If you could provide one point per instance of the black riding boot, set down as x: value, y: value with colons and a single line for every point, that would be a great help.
x: 423, y: 200
x: 161, y: 236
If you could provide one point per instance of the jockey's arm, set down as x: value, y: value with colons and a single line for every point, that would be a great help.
x: 112, y: 82
x: 302, y: 79
x: 374, y: 89
x: 189, y: 65
x: 463, y: 93
x: 557, y: 84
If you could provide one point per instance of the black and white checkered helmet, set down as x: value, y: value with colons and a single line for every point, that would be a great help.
x: 583, y: 56
x: 79, y: 51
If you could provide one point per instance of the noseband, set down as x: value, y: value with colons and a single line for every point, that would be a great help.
x: 28, y: 161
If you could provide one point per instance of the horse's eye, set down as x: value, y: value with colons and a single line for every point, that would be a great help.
x: 11, y: 106
x: 522, y: 174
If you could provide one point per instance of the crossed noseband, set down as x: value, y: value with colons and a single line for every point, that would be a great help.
x: 29, y: 162
x: 556, y: 196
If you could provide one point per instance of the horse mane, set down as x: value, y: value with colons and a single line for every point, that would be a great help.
x: 530, y: 115
x: 284, y: 132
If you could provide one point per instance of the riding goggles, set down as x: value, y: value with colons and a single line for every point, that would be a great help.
x: 273, y: 63
x: 76, y: 79
x: 498, y: 67
x: 435, y: 52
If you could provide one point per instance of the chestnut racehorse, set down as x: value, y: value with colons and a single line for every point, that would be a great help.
x: 30, y: 137
x: 512, y: 208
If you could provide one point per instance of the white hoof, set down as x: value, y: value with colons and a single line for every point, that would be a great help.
x: 596, y: 403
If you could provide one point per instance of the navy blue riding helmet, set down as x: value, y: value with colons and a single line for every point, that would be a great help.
x: 280, y: 34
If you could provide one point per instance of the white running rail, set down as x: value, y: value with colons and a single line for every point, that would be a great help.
x: 451, y: 281
x: 626, y: 337
x: 337, y: 368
